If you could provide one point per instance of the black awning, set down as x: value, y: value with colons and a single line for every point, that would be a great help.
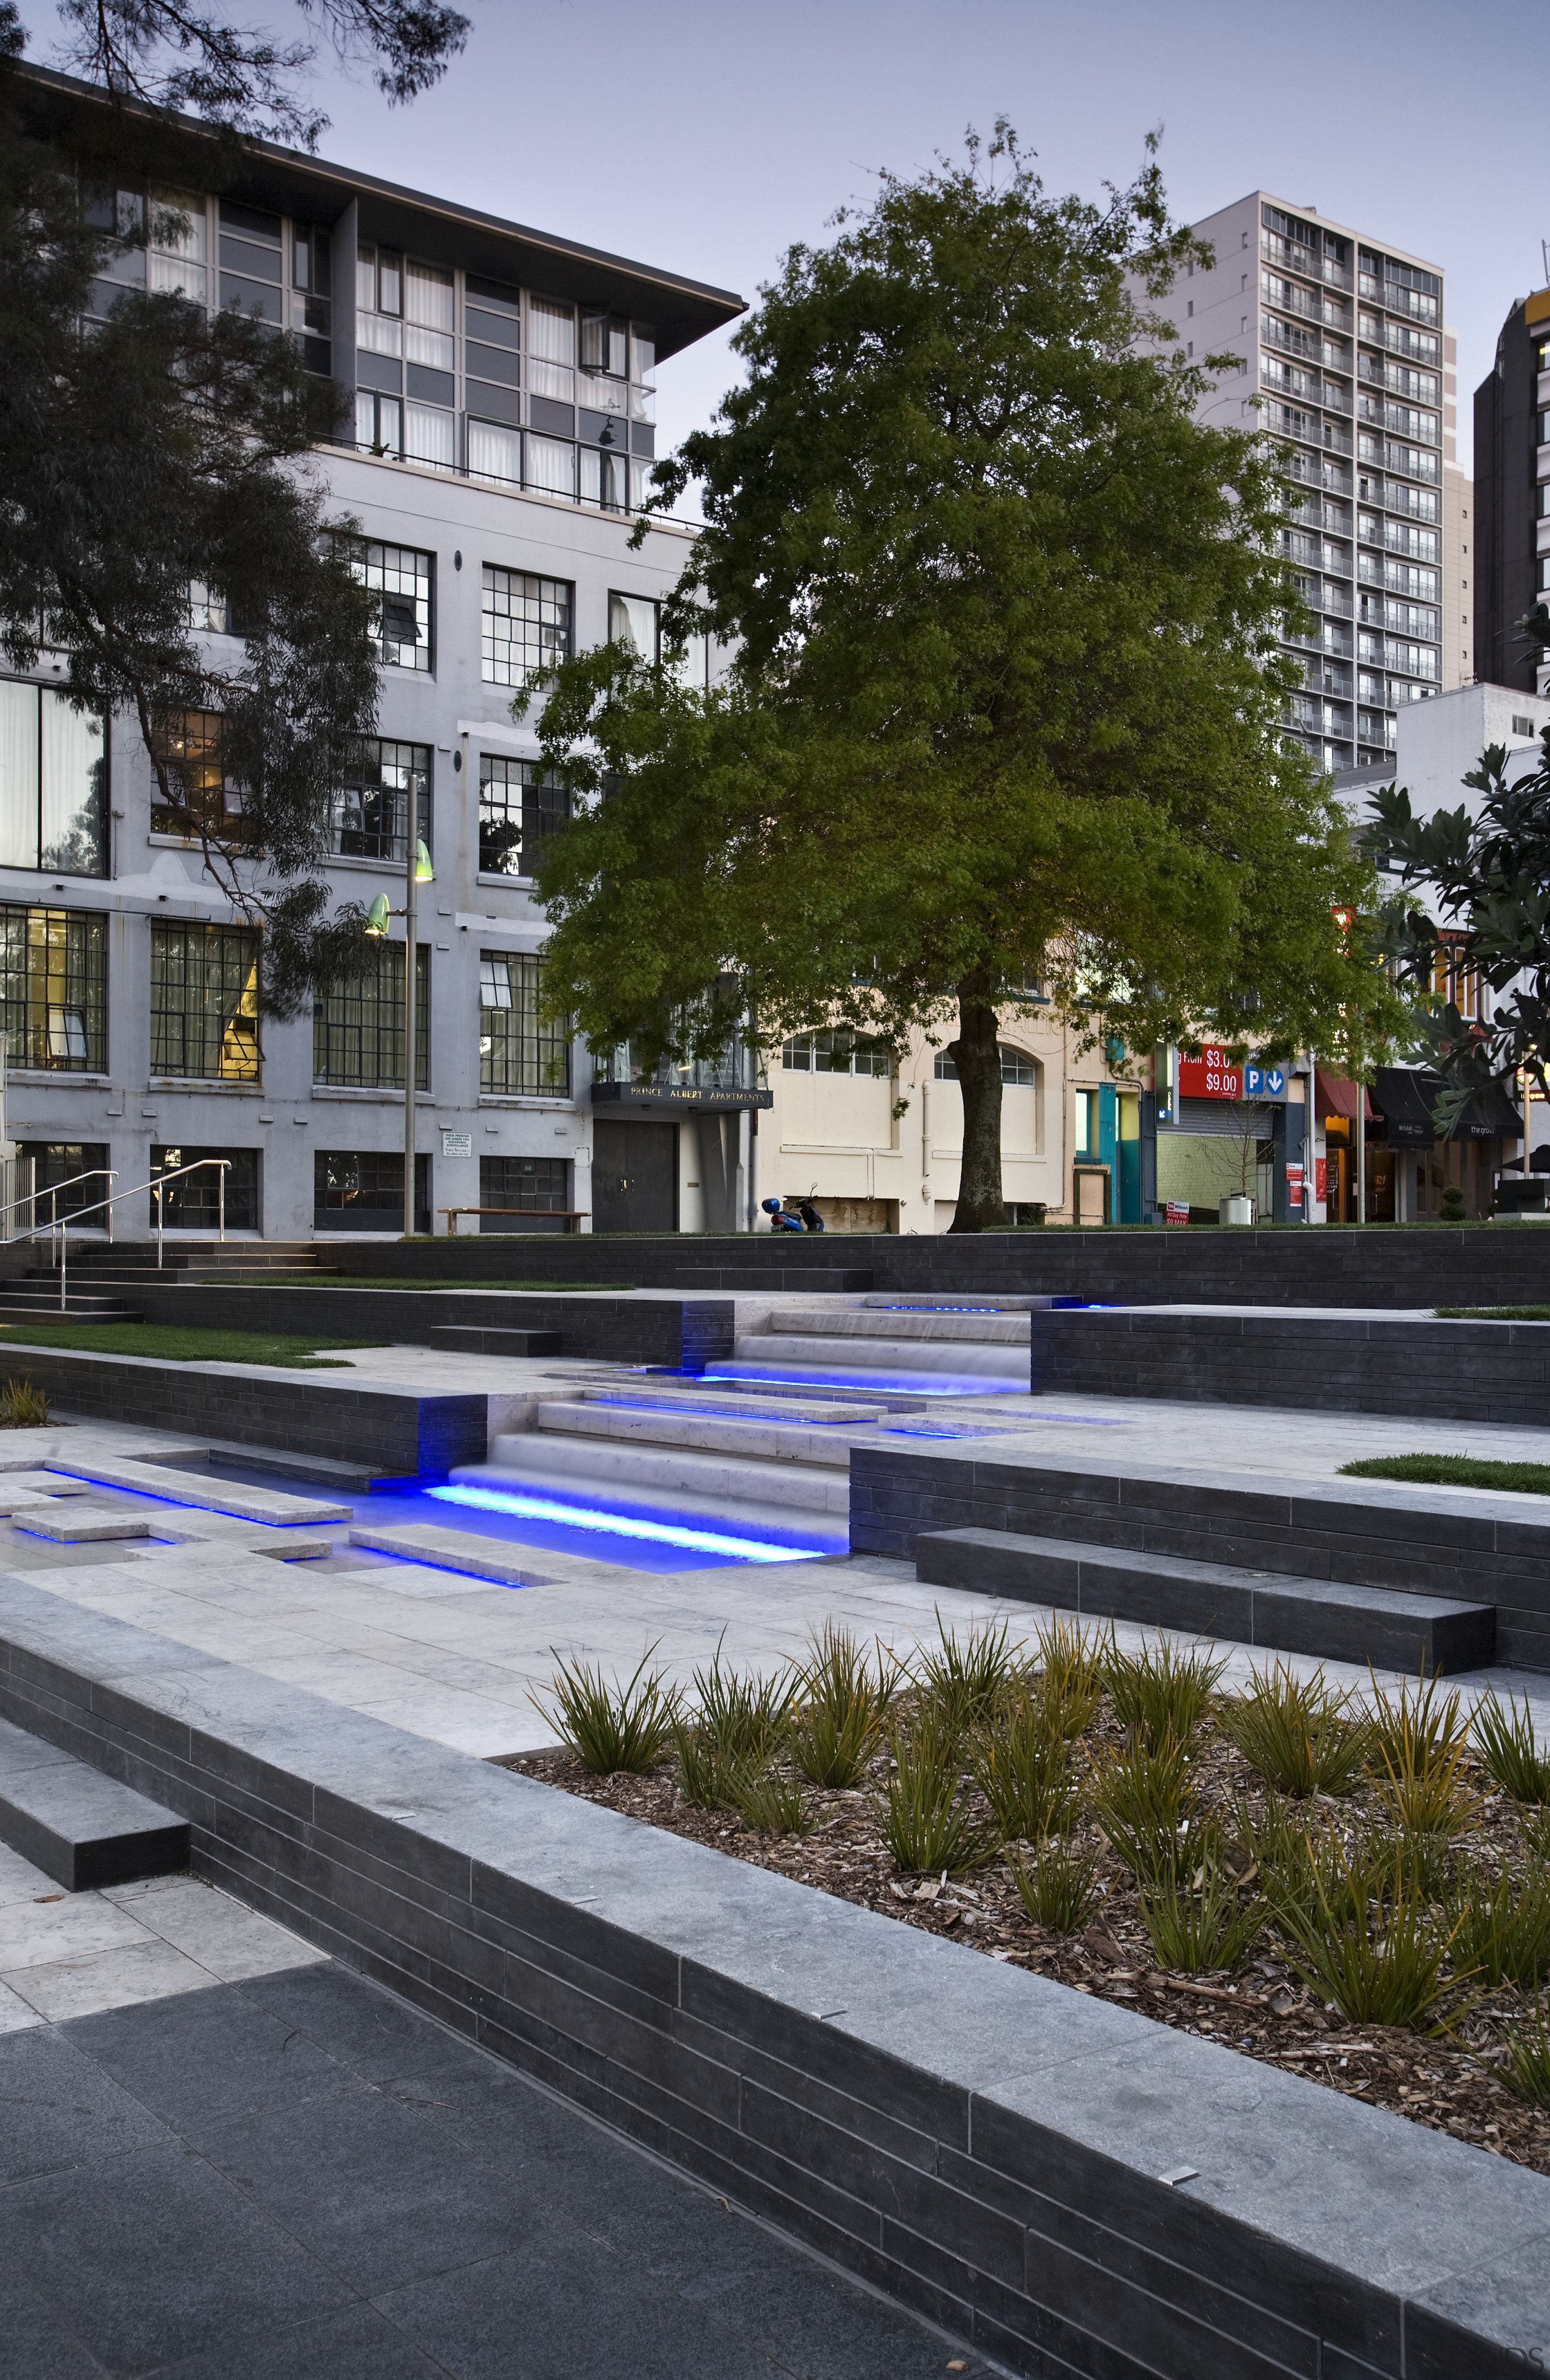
x: 1404, y: 1096
x: 1491, y: 1116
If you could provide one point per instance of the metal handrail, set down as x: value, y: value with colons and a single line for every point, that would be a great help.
x: 30, y: 1197
x: 155, y: 1185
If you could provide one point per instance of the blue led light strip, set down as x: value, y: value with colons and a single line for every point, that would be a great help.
x: 620, y: 1524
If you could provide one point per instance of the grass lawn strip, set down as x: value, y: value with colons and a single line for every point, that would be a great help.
x: 1492, y: 1312
x: 358, y: 1280
x: 1453, y: 1471
x: 1263, y: 2009
x: 169, y: 1343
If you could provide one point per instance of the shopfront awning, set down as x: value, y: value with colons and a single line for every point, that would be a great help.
x: 1336, y: 1097
x: 1405, y: 1096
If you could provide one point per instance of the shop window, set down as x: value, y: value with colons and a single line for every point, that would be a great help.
x: 519, y: 1186
x: 45, y: 1164
x: 193, y: 1202
x: 362, y: 1190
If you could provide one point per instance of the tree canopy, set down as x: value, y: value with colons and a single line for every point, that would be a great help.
x: 999, y: 715
x: 153, y: 450
x: 1487, y: 870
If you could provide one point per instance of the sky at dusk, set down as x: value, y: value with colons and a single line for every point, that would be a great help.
x: 707, y: 136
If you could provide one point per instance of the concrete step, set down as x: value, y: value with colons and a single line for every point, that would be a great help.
x: 798, y: 1356
x: 199, y: 1492
x: 26, y: 1303
x: 615, y: 1469
x: 1329, y: 1618
x: 82, y: 1828
x: 668, y: 1397
x: 967, y: 1303
x: 803, y: 1526
x: 763, y: 1440
x: 467, y: 1339
x: 906, y: 1321
x: 81, y: 1524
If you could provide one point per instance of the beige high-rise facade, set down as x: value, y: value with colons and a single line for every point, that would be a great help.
x: 1337, y: 339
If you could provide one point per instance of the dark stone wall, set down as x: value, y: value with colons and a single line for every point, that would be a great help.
x: 1431, y: 1265
x: 1424, y: 1541
x: 667, y: 1329
x: 403, y: 1432
x: 1446, y: 1371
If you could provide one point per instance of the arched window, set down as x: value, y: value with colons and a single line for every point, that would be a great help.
x: 1017, y: 1066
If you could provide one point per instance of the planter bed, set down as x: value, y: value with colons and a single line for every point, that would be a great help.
x: 1265, y: 2010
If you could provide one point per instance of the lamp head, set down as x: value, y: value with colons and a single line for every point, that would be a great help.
x: 423, y: 871
x: 377, y: 917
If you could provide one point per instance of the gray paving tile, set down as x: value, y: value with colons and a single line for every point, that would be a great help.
x: 205, y: 2058
x: 360, y: 2345
x: 363, y: 2182
x: 156, y: 2256
x: 368, y: 2030
x: 60, y: 2112
x: 36, y: 2343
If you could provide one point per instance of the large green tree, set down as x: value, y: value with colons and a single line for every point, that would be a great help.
x: 1000, y: 710
x: 162, y: 448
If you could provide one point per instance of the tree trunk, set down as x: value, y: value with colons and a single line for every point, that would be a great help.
x: 976, y: 1054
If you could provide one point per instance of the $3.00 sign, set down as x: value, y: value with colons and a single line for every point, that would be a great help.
x: 1209, y: 1077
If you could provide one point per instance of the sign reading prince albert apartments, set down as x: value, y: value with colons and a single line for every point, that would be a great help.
x: 1212, y: 1076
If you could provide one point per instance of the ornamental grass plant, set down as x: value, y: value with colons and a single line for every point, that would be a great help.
x: 610, y: 1726
x: 1021, y: 1765
x: 924, y: 1816
x: 1509, y: 1750
x: 1057, y: 1884
x: 965, y: 1678
x: 1298, y: 1734
x: 842, y: 1704
x: 1199, y: 1932
x: 1162, y: 1692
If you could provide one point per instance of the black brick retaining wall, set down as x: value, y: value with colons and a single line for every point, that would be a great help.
x: 981, y: 2144
x: 1423, y: 1540
x: 1449, y: 1371
x: 403, y: 1432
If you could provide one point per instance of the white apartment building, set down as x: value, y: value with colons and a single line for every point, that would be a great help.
x: 500, y: 382
x: 1337, y: 339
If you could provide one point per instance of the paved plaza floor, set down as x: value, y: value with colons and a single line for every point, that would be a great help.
x: 223, y: 2157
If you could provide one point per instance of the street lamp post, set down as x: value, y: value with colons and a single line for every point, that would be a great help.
x: 417, y: 871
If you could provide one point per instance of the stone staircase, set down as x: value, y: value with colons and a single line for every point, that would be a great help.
x: 756, y: 1466
x: 923, y: 1346
x: 102, y: 1280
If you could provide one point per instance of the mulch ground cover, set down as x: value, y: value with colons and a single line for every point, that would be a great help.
x: 1265, y: 2011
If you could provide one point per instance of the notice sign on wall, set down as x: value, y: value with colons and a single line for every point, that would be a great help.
x: 457, y: 1144
x: 1321, y: 1179
x: 1175, y: 1213
x: 1294, y: 1184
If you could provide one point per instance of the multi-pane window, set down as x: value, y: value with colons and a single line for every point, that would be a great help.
x: 362, y: 1190
x: 204, y: 796
x: 179, y: 245
x: 835, y: 1054
x: 521, y: 1186
x: 518, y: 805
x: 517, y: 1052
x: 80, y: 1166
x: 635, y: 621
x: 400, y: 578
x: 252, y: 263
x: 53, y: 985
x: 194, y: 1202
x: 52, y: 783
x: 369, y: 815
x: 358, y: 1027
x: 527, y: 624
x: 1453, y: 980
x: 552, y: 349
x: 1017, y: 1066
x: 204, y: 1003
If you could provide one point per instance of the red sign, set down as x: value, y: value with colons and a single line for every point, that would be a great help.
x: 1175, y: 1213
x: 1294, y: 1184
x: 1209, y: 1077
x: 1321, y: 1180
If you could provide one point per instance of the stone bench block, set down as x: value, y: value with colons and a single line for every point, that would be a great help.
x: 1337, y: 1622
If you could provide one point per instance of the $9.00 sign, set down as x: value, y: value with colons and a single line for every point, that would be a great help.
x: 1209, y: 1077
